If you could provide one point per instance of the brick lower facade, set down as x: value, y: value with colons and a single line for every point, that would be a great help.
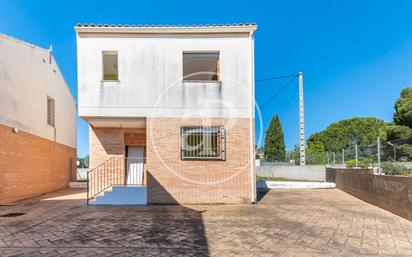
x: 31, y: 165
x: 173, y: 180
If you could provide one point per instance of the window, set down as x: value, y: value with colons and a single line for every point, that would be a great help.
x: 201, y: 66
x: 50, y: 111
x: 203, y: 143
x: 110, y: 67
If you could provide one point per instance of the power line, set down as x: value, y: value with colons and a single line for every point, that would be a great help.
x: 275, y: 78
x: 278, y: 92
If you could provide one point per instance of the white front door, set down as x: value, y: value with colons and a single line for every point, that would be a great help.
x: 135, y: 160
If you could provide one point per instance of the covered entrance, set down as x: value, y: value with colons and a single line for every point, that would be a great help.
x: 117, y: 159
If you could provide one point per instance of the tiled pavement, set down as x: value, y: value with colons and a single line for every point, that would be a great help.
x: 284, y: 223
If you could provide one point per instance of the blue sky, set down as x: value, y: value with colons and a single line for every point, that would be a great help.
x: 356, y: 55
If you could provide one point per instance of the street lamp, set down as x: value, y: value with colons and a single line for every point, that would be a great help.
x: 394, y: 149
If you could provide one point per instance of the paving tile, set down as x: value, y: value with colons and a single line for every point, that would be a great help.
x: 285, y: 222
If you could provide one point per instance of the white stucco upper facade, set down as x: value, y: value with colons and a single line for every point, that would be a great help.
x: 150, y: 70
x: 28, y: 76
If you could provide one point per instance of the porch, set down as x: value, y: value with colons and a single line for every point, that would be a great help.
x: 118, y: 174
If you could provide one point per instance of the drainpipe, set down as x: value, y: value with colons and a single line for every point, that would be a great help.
x: 50, y: 61
x: 252, y: 119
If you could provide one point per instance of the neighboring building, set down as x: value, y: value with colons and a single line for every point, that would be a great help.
x: 171, y: 111
x: 37, y: 122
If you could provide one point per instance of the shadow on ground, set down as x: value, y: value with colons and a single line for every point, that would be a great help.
x: 61, y: 224
x: 260, y: 193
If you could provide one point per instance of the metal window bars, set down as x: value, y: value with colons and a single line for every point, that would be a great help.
x: 50, y: 111
x: 206, y: 143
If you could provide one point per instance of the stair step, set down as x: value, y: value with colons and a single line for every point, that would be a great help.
x: 123, y: 195
x: 126, y: 188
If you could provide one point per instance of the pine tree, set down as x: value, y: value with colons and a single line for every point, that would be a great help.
x: 275, y: 141
x: 403, y: 108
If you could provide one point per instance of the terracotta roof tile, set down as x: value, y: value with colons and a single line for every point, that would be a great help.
x: 159, y: 25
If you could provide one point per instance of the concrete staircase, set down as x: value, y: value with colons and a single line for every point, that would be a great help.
x: 122, y: 195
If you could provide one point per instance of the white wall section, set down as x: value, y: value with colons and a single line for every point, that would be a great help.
x: 27, y: 78
x: 150, y: 75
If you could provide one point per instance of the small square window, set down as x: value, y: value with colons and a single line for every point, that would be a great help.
x: 203, y: 143
x: 201, y: 66
x: 50, y: 111
x: 110, y: 65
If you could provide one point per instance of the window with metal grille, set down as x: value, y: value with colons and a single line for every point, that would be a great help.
x: 50, y: 111
x: 203, y: 143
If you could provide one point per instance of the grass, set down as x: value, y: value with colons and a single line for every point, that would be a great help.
x: 259, y: 178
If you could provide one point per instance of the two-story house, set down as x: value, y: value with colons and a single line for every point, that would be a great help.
x: 171, y: 112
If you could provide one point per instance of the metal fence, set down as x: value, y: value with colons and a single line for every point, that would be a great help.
x: 386, y: 157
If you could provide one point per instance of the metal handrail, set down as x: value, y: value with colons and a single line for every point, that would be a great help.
x: 88, y: 180
x: 113, y: 172
x: 100, y: 164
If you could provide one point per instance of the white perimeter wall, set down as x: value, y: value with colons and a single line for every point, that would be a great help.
x: 305, y: 172
x: 25, y: 83
x: 150, y: 76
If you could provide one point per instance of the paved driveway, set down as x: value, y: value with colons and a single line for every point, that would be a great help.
x: 296, y: 222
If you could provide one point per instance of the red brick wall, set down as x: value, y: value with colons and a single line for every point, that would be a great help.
x: 392, y: 193
x: 172, y: 180
x: 134, y: 138
x: 32, y: 165
x: 105, y: 143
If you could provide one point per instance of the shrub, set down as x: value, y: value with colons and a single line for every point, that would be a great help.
x: 361, y: 163
x: 390, y: 168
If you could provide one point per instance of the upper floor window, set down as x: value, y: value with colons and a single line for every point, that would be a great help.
x: 201, y: 66
x: 50, y: 111
x: 110, y: 65
x: 203, y: 143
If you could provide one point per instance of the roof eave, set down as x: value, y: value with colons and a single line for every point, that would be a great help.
x: 169, y: 30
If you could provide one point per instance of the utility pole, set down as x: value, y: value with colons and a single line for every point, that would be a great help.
x: 334, y: 158
x: 343, y: 155
x: 356, y: 155
x: 301, y: 121
x: 379, y: 156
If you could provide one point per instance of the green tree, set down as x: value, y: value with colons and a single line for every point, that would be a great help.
x: 396, y: 132
x: 84, y: 162
x: 346, y: 133
x: 293, y: 154
x: 275, y: 141
x: 364, y: 132
x: 403, y: 108
x: 401, y: 137
x: 315, y: 152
